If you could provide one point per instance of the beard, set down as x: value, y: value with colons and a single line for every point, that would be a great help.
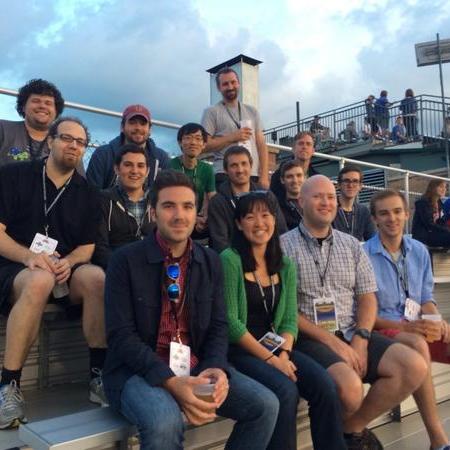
x: 231, y: 94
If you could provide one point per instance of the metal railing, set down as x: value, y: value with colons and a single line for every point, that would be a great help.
x: 338, y: 116
x: 429, y: 121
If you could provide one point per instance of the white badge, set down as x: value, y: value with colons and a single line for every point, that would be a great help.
x: 272, y: 341
x: 325, y: 314
x: 43, y: 244
x: 180, y: 359
x: 412, y: 310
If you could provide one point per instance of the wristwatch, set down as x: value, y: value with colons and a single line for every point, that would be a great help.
x: 363, y: 332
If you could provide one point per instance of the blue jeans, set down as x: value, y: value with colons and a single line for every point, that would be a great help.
x: 313, y: 384
x: 160, y: 424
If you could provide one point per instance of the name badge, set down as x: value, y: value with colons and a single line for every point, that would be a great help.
x: 325, y: 315
x: 43, y: 244
x: 180, y: 359
x: 412, y: 310
x: 272, y: 341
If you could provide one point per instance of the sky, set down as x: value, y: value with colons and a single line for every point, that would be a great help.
x: 111, y: 53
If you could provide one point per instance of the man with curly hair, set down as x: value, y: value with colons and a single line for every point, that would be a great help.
x: 39, y: 102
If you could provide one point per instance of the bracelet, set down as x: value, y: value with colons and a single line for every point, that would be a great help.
x: 289, y: 352
x: 271, y: 356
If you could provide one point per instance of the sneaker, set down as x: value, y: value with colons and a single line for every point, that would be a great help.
x: 96, y: 390
x: 11, y: 406
x: 366, y: 440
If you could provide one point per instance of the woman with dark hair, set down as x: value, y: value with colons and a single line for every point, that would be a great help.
x: 408, y: 107
x: 428, y: 225
x: 261, y: 296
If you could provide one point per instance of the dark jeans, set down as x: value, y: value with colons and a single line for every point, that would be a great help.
x: 160, y: 423
x: 314, y: 385
x: 411, y: 126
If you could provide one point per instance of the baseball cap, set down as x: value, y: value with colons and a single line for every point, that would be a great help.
x: 136, y: 110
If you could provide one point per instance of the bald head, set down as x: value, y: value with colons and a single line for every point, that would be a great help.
x: 318, y: 201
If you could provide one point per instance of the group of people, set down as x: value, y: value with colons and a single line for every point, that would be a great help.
x: 283, y: 303
x: 378, y: 118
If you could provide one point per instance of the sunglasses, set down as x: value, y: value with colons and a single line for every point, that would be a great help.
x: 173, y: 290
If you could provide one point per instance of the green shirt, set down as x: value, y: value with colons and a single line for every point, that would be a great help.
x: 285, y: 320
x: 202, y: 175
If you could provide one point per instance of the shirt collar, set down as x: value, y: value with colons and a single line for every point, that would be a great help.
x: 376, y: 246
x: 167, y: 254
x: 305, y: 232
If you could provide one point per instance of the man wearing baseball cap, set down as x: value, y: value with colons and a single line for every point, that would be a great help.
x: 134, y: 129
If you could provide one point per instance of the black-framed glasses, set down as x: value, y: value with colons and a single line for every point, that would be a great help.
x: 173, y: 290
x: 68, y: 139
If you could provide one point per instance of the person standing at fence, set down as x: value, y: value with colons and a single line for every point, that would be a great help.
x: 382, y: 105
x: 48, y: 224
x: 230, y: 123
x: 352, y: 217
x: 408, y: 107
x: 260, y: 292
x: 370, y: 114
x: 135, y: 128
x: 39, y: 103
x: 405, y: 299
x: 337, y: 311
x: 428, y: 226
x: 167, y: 334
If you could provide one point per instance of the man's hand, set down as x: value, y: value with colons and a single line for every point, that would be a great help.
x: 283, y: 364
x: 40, y: 261
x: 359, y: 345
x: 345, y: 351
x: 242, y: 134
x: 62, y: 270
x: 198, y: 412
x: 200, y: 223
x: 415, y: 326
x: 221, y: 388
x: 264, y: 181
x: 445, y: 331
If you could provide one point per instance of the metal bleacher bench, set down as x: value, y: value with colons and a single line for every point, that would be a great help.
x: 80, y: 431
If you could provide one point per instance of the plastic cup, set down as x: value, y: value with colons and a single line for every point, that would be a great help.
x: 205, y: 391
x: 434, y: 331
x: 246, y: 123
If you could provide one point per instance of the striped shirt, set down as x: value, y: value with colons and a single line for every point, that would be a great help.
x: 167, y: 325
x: 347, y: 274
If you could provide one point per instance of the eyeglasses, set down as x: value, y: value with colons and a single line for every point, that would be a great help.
x: 349, y: 181
x: 173, y: 290
x: 68, y: 139
x: 192, y: 138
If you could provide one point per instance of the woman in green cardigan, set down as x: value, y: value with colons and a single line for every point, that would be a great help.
x: 260, y: 292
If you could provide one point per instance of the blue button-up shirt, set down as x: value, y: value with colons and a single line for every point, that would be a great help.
x: 391, y: 293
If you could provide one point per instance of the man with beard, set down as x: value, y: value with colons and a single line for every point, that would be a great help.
x: 135, y: 129
x: 231, y: 122
x: 39, y: 103
x: 48, y: 225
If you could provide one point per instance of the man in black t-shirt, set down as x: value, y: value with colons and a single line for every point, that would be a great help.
x: 48, y: 222
x: 39, y: 103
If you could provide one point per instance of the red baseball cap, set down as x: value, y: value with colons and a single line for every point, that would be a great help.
x: 136, y: 110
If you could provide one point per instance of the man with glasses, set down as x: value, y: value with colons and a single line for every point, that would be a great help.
x: 135, y: 129
x: 352, y: 217
x: 39, y: 103
x: 237, y: 164
x: 337, y: 312
x: 167, y: 334
x: 48, y: 224
x: 192, y: 139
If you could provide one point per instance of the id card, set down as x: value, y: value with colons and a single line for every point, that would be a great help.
x: 412, y: 310
x: 43, y: 244
x: 180, y: 359
x: 325, y: 314
x: 272, y: 341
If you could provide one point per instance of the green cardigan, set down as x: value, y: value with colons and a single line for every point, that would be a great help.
x: 285, y: 320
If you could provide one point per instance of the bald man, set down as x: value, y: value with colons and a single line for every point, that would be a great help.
x: 337, y: 312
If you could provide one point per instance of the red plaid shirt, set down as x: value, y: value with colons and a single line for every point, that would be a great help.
x: 167, y: 324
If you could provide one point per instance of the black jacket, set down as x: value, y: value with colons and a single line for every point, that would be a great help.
x: 221, y: 216
x: 133, y: 310
x: 117, y: 227
x: 425, y: 230
x: 362, y: 227
x: 292, y: 214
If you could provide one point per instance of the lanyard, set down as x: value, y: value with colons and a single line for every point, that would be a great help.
x: 47, y: 209
x: 237, y: 123
x: 38, y: 153
x: 194, y: 176
x: 403, y: 274
x: 263, y: 296
x: 293, y: 205
x: 349, y: 227
x: 323, y: 275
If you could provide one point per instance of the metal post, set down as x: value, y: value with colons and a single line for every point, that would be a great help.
x: 341, y: 164
x: 407, y: 199
x: 297, y: 111
x: 334, y: 125
x: 421, y: 117
x: 445, y: 135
